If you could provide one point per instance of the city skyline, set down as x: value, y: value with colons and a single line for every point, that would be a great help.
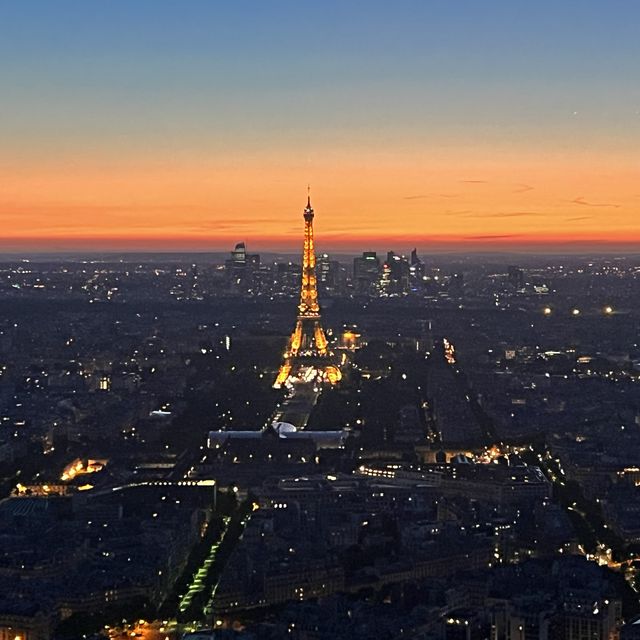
x: 446, y: 126
x: 320, y: 320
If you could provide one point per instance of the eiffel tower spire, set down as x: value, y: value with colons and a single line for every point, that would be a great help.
x: 308, y: 344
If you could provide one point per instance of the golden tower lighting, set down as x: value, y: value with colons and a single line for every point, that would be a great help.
x: 308, y: 345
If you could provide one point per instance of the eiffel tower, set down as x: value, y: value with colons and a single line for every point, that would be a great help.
x: 308, y: 356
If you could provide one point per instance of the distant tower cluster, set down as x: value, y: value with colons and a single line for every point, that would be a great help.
x: 308, y: 351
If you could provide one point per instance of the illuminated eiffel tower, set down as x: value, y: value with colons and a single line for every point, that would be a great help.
x: 308, y: 356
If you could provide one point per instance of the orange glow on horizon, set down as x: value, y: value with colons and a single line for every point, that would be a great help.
x: 442, y: 198
x: 287, y: 244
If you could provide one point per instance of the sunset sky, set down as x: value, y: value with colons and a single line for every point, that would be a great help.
x: 442, y: 124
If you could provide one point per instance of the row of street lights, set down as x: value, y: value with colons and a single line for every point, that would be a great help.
x: 607, y: 311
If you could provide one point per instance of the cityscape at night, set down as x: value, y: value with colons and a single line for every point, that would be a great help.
x: 319, y: 321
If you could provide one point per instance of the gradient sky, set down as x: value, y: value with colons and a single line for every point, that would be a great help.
x: 192, y: 124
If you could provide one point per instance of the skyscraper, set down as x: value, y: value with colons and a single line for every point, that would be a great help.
x: 366, y: 271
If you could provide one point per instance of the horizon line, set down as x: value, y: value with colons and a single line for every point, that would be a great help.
x: 619, y: 241
x: 576, y: 249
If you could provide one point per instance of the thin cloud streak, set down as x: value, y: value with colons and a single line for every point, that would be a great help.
x: 496, y: 237
x: 586, y: 203
x: 507, y: 214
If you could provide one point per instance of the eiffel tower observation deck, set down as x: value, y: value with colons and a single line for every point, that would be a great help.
x: 308, y: 356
